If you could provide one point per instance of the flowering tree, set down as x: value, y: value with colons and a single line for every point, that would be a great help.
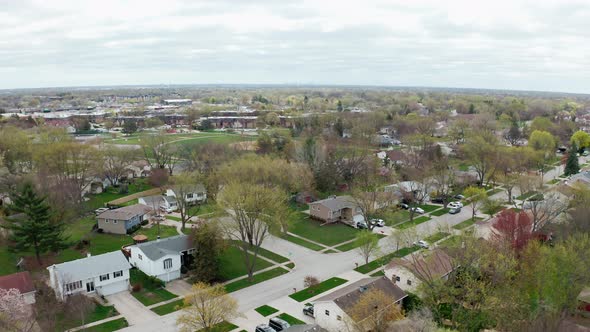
x: 15, y: 314
x: 513, y: 228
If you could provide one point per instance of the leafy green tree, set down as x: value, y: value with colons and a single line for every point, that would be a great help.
x: 367, y: 244
x: 476, y: 197
x: 571, y: 165
x: 35, y: 230
x: 581, y: 139
x: 209, y: 239
x: 129, y: 127
x: 340, y: 108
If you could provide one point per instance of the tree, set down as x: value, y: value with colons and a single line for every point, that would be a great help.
x: 209, y: 239
x: 205, y: 306
x: 458, y: 130
x: 129, y: 127
x: 35, y: 230
x: 544, y: 208
x: 513, y: 134
x: 475, y: 196
x: 367, y: 244
x: 79, y: 306
x: 252, y: 211
x: 116, y: 161
x: 544, y: 143
x: 184, y: 186
x: 512, y: 228
x: 158, y: 153
x: 374, y: 311
x: 571, y: 165
x: 482, y: 151
x: 153, y: 123
x: 310, y: 280
x: 581, y: 139
x: 15, y: 314
x: 339, y: 106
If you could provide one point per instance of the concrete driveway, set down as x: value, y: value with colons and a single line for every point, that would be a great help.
x: 131, y: 309
x: 179, y: 287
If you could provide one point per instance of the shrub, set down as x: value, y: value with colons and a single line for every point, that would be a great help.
x: 144, y: 222
x: 82, y: 244
x: 133, y: 229
x: 309, y: 281
x: 136, y: 288
x: 183, y: 270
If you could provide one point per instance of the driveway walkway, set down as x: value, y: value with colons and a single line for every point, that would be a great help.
x: 131, y: 309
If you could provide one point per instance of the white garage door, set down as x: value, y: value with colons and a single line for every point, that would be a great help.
x: 113, y: 288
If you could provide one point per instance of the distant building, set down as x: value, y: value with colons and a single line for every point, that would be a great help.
x: 121, y: 220
x: 337, y: 209
x: 178, y: 101
x: 408, y: 273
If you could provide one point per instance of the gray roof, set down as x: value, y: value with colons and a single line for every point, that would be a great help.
x: 169, y: 199
x: 155, y: 250
x: 92, y: 266
x: 126, y: 212
x: 348, y: 296
x: 153, y: 200
x: 305, y: 328
x: 336, y: 203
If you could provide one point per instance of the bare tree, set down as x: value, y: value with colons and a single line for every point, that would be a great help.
x: 374, y: 311
x: 185, y: 186
x: 206, y: 306
x: 15, y: 314
x: 116, y: 160
x: 544, y: 210
x: 158, y: 153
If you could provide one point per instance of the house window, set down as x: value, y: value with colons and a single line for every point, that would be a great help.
x: 117, y: 274
x: 168, y: 263
x: 409, y: 282
x: 339, y: 317
x: 73, y: 286
x: 104, y: 277
x: 327, y: 312
x: 114, y: 221
x: 106, y: 221
x: 189, y: 196
x: 139, y: 256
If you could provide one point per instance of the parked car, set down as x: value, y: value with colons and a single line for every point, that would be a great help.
x: 403, y: 206
x: 100, y: 210
x: 377, y: 222
x: 455, y: 210
x: 278, y: 324
x: 417, y: 210
x: 361, y: 225
x: 458, y: 196
x: 308, y: 310
x: 421, y: 244
x: 455, y: 205
x: 264, y: 328
x: 439, y: 200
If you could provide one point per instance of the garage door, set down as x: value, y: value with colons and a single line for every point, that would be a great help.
x: 113, y: 288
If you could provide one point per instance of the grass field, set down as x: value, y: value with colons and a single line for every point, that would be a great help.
x: 231, y: 264
x: 328, y: 235
x: 257, y: 278
x: 467, y: 223
x: 222, y: 327
x: 290, y: 319
x: 113, y: 325
x: 412, y: 223
x: 302, y: 242
x: 168, y: 307
x: 373, y: 265
x: 440, y: 212
x: 317, y: 289
x: 393, y: 216
x: 429, y: 208
x: 266, y: 310
x: 100, y: 312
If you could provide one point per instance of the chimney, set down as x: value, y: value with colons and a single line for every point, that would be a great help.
x: 88, y: 254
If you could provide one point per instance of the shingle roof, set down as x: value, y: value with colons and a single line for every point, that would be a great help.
x: 21, y: 281
x: 92, y: 266
x: 348, y: 296
x: 155, y: 250
x: 125, y: 213
x: 337, y: 203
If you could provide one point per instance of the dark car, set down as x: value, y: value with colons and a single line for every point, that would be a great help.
x: 308, y: 310
x: 439, y: 200
x: 264, y: 328
x: 278, y: 324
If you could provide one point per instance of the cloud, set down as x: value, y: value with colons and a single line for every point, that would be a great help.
x: 519, y: 44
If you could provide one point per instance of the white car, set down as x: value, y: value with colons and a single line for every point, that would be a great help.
x: 455, y: 205
x: 378, y: 222
x: 417, y: 210
x: 421, y: 244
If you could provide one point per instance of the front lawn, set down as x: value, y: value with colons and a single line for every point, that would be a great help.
x: 440, y: 212
x: 373, y: 265
x: 222, y: 327
x: 266, y: 310
x: 100, y: 312
x: 354, y: 245
x: 257, y: 278
x: 393, y: 216
x: 110, y: 326
x: 428, y: 207
x: 317, y: 289
x: 290, y: 319
x: 452, y: 241
x: 467, y: 223
x: 329, y: 235
x: 494, y: 191
x: 554, y: 181
x: 436, y: 237
x: 167, y: 308
x: 302, y: 242
x: 526, y: 195
x: 412, y: 223
x: 151, y: 292
x: 231, y: 264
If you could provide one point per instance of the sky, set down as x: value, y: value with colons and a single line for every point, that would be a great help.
x: 517, y: 44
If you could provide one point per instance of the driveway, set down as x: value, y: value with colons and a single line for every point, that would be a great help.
x: 179, y: 287
x: 131, y: 309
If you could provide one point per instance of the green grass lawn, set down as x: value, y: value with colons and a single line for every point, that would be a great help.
x: 413, y: 223
x: 467, y: 223
x: 440, y: 212
x: 393, y: 216
x: 317, y: 289
x: 167, y: 308
x: 290, y: 265
x: 113, y: 325
x: 222, y: 327
x: 272, y: 256
x: 100, y: 312
x: 149, y: 293
x: 373, y: 265
x: 257, y: 278
x: 494, y: 191
x: 428, y: 207
x: 302, y: 242
x: 290, y: 319
x: 266, y: 310
x: 231, y: 264
x: 7, y: 261
x: 378, y: 274
x: 554, y: 181
x: 328, y: 235
x: 208, y: 210
x: 436, y: 237
x: 452, y: 241
x: 353, y: 244
x: 213, y: 138
x: 173, y: 218
x: 112, y: 193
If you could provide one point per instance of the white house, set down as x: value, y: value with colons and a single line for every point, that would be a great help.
x: 332, y: 311
x: 104, y: 274
x: 22, y: 282
x: 161, y: 258
x: 165, y: 203
x: 408, y: 273
x: 198, y: 195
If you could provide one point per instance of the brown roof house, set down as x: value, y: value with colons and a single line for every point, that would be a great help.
x: 408, y: 273
x: 21, y: 281
x: 337, y: 209
x: 121, y: 220
x: 332, y: 311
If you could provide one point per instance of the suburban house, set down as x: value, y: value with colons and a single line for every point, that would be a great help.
x: 165, y: 203
x: 162, y: 258
x: 121, y: 220
x: 419, y: 191
x: 138, y: 169
x: 104, y: 275
x: 408, y: 273
x: 332, y: 311
x: 21, y: 281
x: 198, y: 195
x: 337, y: 209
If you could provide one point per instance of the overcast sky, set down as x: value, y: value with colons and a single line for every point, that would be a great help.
x: 525, y: 45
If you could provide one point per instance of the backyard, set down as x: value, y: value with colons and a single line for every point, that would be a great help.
x: 328, y: 235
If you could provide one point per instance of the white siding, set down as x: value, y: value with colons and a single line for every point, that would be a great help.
x: 404, y: 275
x: 330, y: 322
x: 156, y: 268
